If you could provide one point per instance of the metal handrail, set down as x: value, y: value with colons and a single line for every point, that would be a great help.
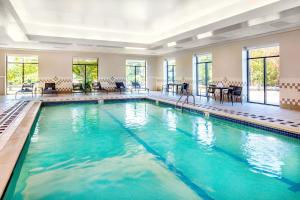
x: 185, y: 101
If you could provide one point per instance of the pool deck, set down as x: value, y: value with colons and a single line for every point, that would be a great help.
x: 17, y: 117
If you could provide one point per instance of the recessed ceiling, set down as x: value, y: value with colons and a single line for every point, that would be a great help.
x: 97, y: 25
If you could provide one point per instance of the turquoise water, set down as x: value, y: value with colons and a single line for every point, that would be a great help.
x: 138, y: 150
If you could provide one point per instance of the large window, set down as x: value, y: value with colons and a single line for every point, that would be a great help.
x: 171, y: 64
x: 203, y: 73
x: 20, y: 69
x: 136, y: 72
x: 85, y: 71
x: 263, y: 75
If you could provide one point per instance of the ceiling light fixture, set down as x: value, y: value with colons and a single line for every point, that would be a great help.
x: 171, y: 44
x: 135, y: 48
x: 204, y: 35
x: 261, y: 20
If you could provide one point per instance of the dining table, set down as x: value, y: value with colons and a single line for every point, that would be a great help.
x: 174, y: 85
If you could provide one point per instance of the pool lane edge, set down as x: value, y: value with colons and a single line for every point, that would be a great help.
x: 10, y: 153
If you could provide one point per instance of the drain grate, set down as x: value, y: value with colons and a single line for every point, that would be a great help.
x: 9, y: 115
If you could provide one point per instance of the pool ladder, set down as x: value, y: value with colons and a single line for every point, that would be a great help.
x: 185, y: 101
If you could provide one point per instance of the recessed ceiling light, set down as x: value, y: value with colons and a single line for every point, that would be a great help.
x: 135, y: 48
x: 171, y: 44
x: 261, y: 20
x: 204, y: 35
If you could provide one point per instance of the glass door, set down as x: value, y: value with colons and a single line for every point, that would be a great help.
x: 263, y: 75
x: 20, y: 70
x: 256, y: 81
x: 272, y: 80
x: 136, y: 73
x: 85, y: 71
x: 203, y: 74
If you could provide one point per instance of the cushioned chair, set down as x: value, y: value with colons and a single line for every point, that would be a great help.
x: 120, y: 87
x: 77, y: 88
x: 49, y: 88
x: 96, y: 87
x: 26, y: 88
x: 137, y: 86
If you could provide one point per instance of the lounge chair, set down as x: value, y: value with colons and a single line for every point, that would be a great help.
x: 26, y: 88
x: 49, y: 88
x: 77, y: 88
x: 96, y: 87
x: 137, y: 86
x: 121, y: 87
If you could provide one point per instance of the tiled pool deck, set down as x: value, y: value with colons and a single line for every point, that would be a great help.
x: 267, y: 115
x: 17, y: 117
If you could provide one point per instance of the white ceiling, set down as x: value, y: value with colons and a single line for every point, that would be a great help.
x: 111, y: 25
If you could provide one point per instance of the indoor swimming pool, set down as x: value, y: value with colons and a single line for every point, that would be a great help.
x: 141, y: 150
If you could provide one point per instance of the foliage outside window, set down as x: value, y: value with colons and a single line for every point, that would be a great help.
x: 20, y: 70
x: 263, y: 75
x: 203, y: 73
x: 85, y: 71
x: 136, y: 72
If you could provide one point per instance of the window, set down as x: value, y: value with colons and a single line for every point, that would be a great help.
x: 85, y: 71
x: 136, y: 72
x: 203, y: 73
x: 263, y: 75
x: 20, y: 69
x: 171, y: 64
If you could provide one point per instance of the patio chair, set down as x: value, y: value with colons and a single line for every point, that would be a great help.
x: 121, y: 87
x: 96, y: 87
x: 49, y: 89
x: 211, y: 91
x: 137, y: 86
x: 77, y: 88
x: 26, y: 88
x: 236, y: 94
x: 227, y: 93
x: 184, y: 88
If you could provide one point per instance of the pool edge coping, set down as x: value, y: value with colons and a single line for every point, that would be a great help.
x: 11, y: 151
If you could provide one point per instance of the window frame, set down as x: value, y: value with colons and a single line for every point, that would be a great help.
x: 172, y: 71
x: 85, y: 66
x: 21, y: 63
x: 264, y: 71
x: 135, y: 69
x: 198, y: 62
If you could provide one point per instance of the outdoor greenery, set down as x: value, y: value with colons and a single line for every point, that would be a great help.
x: 21, y: 70
x: 204, y: 63
x: 171, y: 73
x: 136, y: 72
x: 256, y: 66
x: 85, y: 71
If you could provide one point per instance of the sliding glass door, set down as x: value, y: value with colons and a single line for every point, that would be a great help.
x: 263, y: 75
x: 85, y: 71
x: 136, y: 72
x: 171, y: 64
x: 20, y: 70
x: 203, y: 73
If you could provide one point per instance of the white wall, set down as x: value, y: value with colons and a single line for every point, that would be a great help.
x: 59, y: 64
x: 227, y: 63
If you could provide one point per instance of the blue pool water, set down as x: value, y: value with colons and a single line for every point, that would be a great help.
x: 138, y: 150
